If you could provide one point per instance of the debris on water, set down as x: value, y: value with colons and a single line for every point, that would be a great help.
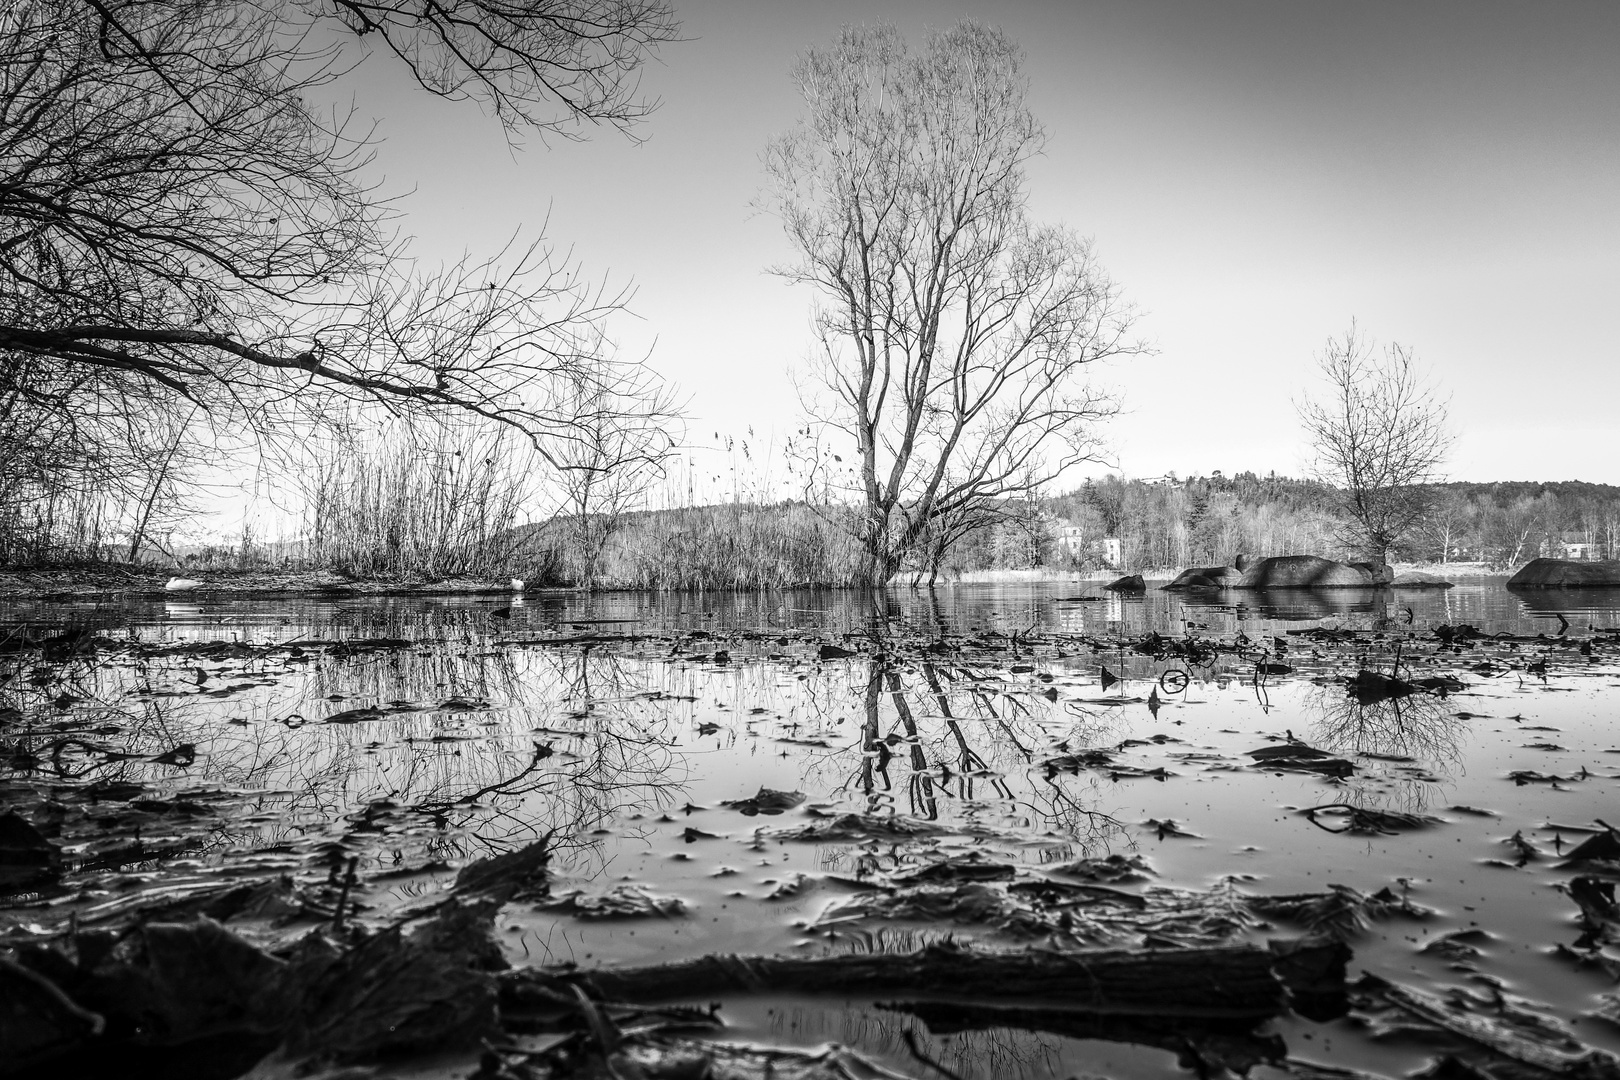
x: 1460, y: 947
x: 1524, y: 850
x: 1168, y: 827
x: 1491, y: 1036
x: 1346, y: 817
x: 1609, y: 1009
x: 857, y: 827
x: 1521, y: 777
x: 1601, y: 849
x: 27, y: 857
x: 516, y: 875
x: 1340, y: 913
x: 1297, y: 757
x: 972, y: 866
x: 619, y: 902
x: 766, y: 801
x: 1371, y: 687
x: 1112, y: 869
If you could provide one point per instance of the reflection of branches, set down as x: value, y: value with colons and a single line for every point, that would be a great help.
x: 1418, y: 726
x: 942, y: 758
x: 500, y: 787
x: 1403, y: 728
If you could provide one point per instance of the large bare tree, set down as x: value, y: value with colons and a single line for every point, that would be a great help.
x: 1379, y: 436
x: 182, y: 230
x: 954, y: 332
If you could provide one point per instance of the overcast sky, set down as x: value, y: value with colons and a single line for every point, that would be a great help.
x: 1254, y: 175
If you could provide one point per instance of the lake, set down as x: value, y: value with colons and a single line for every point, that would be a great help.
x: 697, y: 759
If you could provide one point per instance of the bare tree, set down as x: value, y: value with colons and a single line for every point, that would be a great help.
x: 1451, y: 517
x: 182, y: 230
x: 953, y: 331
x: 1379, y: 436
x: 606, y: 469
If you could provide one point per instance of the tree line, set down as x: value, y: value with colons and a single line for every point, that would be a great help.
x: 1208, y: 520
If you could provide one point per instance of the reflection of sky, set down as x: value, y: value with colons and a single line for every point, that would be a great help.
x: 648, y: 744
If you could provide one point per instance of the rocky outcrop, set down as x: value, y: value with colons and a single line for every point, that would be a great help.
x: 1566, y: 574
x: 1311, y: 572
x: 1128, y: 583
x: 1206, y: 577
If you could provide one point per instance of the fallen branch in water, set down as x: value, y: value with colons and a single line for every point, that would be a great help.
x: 1229, y: 981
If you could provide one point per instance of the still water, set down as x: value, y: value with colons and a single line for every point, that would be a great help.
x: 1019, y: 724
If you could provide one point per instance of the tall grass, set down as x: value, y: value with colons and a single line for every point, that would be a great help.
x: 445, y: 504
x: 731, y: 546
x: 48, y: 524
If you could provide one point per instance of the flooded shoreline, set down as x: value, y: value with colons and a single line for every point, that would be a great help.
x: 815, y: 775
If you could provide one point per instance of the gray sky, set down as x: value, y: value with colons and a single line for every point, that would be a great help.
x: 1254, y: 175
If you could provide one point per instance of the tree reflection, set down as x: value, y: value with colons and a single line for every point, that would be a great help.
x: 1415, y: 737
x: 949, y: 731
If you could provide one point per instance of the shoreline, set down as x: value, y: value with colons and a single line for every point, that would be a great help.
x: 109, y: 582
x: 91, y: 583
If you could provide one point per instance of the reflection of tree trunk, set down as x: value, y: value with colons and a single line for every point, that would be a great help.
x: 898, y: 690
x: 921, y: 785
x: 970, y: 760
x: 871, y: 739
x: 936, y: 618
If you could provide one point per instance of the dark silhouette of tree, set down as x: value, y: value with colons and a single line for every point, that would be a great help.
x: 954, y: 331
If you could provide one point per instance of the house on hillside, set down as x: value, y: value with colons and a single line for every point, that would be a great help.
x: 1575, y: 546
x: 1113, y: 551
x: 1068, y: 538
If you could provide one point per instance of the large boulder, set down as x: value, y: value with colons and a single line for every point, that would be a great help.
x: 1206, y: 577
x: 1311, y: 572
x: 1565, y: 573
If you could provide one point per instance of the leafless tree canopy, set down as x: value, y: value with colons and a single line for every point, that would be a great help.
x: 546, y: 65
x: 1379, y: 435
x: 954, y: 331
x: 181, y: 231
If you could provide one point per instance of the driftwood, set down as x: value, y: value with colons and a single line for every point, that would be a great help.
x: 1202, y: 1045
x: 1486, y: 1038
x: 1232, y: 981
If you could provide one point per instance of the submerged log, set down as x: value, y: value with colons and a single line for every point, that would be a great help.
x: 1230, y: 981
x: 1202, y: 1045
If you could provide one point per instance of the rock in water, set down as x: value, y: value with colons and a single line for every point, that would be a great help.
x: 1311, y: 572
x: 1566, y: 573
x: 1128, y: 583
x: 1206, y: 577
